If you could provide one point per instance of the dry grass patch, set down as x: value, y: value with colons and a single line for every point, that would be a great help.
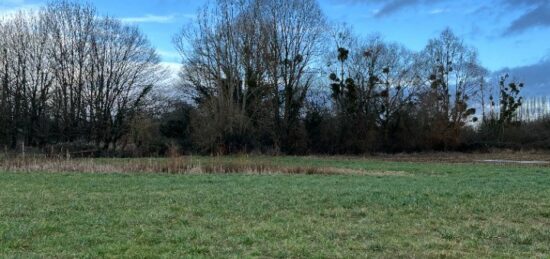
x: 175, y: 165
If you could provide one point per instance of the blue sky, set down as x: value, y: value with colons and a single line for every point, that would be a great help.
x: 509, y: 34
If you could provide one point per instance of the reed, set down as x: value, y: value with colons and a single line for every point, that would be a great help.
x: 171, y: 165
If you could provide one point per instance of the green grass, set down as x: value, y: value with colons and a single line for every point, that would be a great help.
x: 455, y: 210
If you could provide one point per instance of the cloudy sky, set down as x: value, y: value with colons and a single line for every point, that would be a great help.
x: 511, y: 35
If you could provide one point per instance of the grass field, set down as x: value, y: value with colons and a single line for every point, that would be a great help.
x: 373, y: 208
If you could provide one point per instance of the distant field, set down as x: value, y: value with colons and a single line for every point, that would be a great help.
x: 311, y: 207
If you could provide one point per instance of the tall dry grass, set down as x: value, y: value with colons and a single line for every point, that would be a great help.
x: 171, y: 165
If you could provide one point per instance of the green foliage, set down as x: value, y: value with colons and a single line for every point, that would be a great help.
x: 343, y: 54
x: 510, y: 100
x: 505, y: 129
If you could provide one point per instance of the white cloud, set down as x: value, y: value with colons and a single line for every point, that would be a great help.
x: 149, y: 19
x: 190, y: 16
x: 173, y: 70
x: 169, y: 54
x: 172, y: 66
x: 439, y: 11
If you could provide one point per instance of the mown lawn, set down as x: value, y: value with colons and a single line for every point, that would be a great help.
x: 427, y: 210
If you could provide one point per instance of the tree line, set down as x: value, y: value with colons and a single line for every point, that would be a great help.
x: 269, y: 76
x: 69, y: 75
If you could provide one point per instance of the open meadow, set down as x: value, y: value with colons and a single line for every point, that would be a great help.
x: 323, y: 207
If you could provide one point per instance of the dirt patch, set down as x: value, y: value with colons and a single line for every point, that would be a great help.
x: 517, y: 157
x: 514, y: 162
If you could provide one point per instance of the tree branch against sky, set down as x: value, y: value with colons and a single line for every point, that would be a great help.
x: 492, y: 26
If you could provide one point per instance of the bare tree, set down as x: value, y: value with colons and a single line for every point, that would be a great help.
x: 220, y: 70
x: 251, y: 61
x: 372, y: 85
x: 454, y: 81
x: 296, y: 29
x: 123, y: 69
x: 68, y: 75
x: 71, y: 26
x: 25, y: 80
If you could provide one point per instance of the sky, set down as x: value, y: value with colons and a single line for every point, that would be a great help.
x: 511, y: 36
